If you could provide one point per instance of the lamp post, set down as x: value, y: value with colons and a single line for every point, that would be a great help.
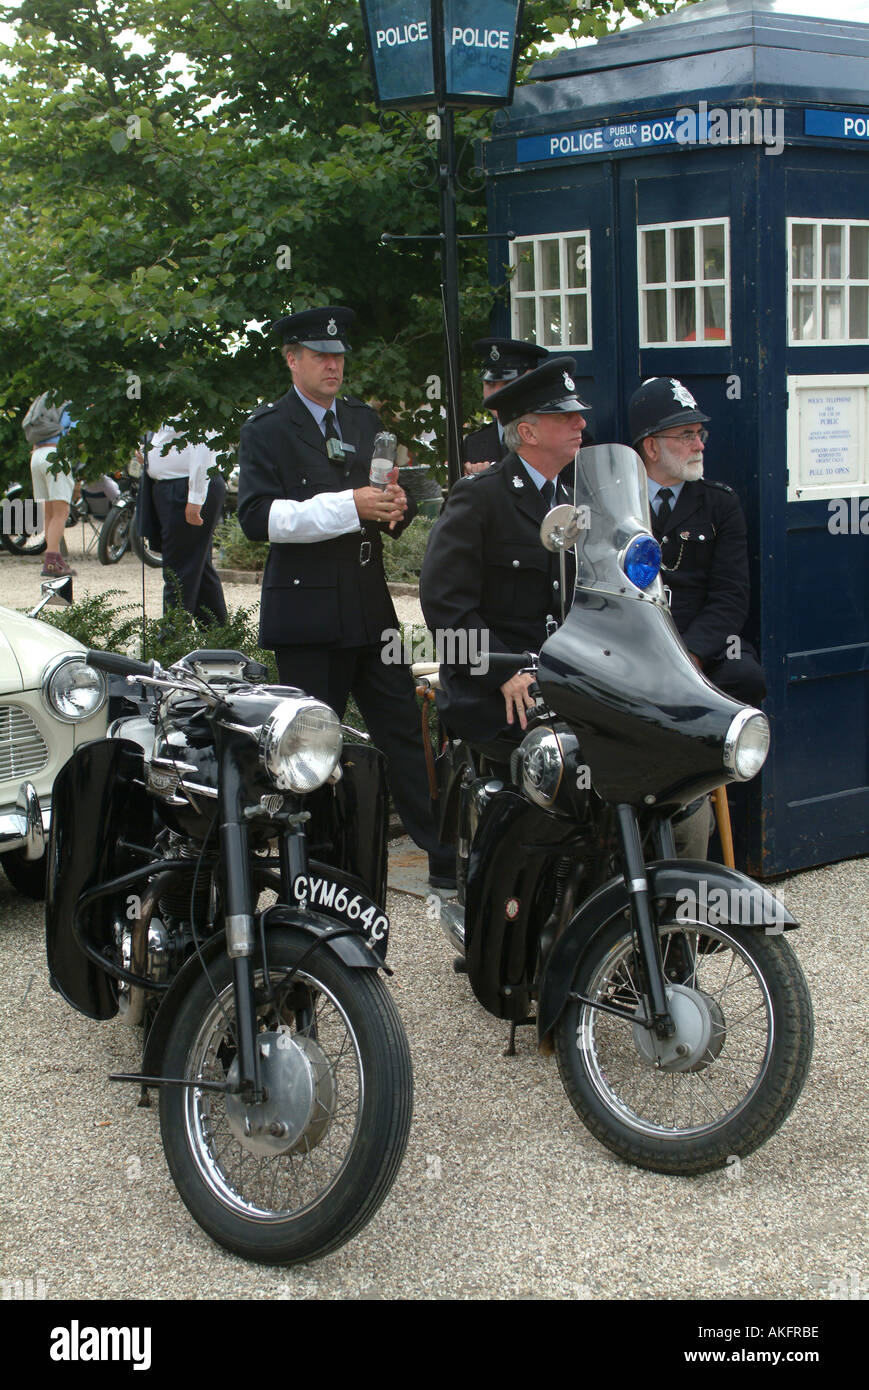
x: 441, y: 55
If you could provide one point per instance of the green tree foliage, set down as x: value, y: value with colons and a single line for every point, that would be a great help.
x: 179, y: 172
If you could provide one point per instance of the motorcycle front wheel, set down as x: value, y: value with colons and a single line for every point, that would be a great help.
x: 114, y: 539
x: 728, y: 1079
x: 300, y: 1174
x: 141, y: 548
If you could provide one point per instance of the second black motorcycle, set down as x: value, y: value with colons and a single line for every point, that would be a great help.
x: 677, y: 1010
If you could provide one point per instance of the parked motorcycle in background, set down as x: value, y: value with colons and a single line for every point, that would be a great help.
x: 678, y: 1012
x: 217, y: 875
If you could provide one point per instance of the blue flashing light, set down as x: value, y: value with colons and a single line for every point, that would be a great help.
x: 642, y: 561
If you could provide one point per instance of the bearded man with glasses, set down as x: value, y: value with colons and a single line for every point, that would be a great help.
x: 701, y: 527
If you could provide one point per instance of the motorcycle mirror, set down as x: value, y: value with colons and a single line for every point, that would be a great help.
x: 560, y: 527
x: 53, y: 591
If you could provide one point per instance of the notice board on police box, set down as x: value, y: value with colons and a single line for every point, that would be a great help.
x: 828, y: 437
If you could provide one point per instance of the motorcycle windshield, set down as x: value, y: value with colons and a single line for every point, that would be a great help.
x: 613, y: 501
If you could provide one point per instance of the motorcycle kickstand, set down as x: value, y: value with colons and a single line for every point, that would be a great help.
x: 510, y: 1049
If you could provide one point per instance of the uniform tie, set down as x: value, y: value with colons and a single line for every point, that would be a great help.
x: 664, y: 508
x: 547, y: 492
x: 329, y: 421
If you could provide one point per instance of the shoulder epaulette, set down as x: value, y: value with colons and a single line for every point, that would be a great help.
x: 264, y: 409
x: 714, y: 482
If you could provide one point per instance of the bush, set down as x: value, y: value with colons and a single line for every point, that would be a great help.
x: 402, y: 557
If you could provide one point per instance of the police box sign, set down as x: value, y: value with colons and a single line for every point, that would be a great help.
x: 837, y: 125
x: 428, y: 53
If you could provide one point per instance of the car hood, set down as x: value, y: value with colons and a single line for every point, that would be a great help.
x: 26, y: 647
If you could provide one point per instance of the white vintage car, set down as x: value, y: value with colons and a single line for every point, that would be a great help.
x: 50, y: 702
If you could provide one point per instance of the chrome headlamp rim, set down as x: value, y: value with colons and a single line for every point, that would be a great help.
x: 730, y: 751
x: 275, y: 727
x: 51, y: 670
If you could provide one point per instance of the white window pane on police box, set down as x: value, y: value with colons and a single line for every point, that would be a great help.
x: 685, y: 304
x: 683, y: 253
x: 831, y: 252
x: 552, y: 323
x: 550, y: 266
x: 859, y: 253
x: 656, y: 316
x: 803, y: 311
x: 858, y: 319
x: 714, y: 326
x: 577, y: 321
x: 802, y: 252
x: 524, y: 279
x: 713, y: 251
x: 655, y: 247
x: 831, y: 314
x: 577, y: 263
x: 526, y: 320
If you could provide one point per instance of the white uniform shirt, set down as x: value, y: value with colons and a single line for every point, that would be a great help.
x: 191, y: 462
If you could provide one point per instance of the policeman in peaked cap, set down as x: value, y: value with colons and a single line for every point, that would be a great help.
x: 700, y: 524
x: 486, y: 572
x: 303, y: 485
x: 504, y: 359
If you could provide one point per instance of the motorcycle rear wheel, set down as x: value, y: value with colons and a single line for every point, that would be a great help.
x: 285, y: 1200
x: 114, y: 539
x: 737, y: 1086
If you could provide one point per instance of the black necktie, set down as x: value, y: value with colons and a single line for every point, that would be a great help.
x: 329, y: 422
x: 664, y: 508
x: 547, y: 492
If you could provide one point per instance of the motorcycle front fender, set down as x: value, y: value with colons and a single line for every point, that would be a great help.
x: 349, y: 948
x: 701, y: 891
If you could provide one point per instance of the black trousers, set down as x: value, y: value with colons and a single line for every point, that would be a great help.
x: 386, y: 700
x: 187, y: 550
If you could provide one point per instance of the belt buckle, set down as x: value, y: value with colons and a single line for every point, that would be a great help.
x: 365, y: 552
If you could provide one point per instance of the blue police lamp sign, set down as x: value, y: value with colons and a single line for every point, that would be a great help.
x: 427, y: 53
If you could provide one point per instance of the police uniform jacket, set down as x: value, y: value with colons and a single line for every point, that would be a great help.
x: 705, y: 566
x: 326, y: 593
x: 483, y: 446
x: 486, y: 573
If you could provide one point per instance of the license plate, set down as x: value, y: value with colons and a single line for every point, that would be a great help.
x: 323, y: 894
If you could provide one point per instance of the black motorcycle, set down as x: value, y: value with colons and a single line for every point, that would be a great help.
x: 120, y: 532
x: 678, y: 1013
x: 217, y: 875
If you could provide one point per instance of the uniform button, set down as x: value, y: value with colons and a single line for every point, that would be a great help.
x: 515, y: 564
x: 270, y: 407
x: 555, y: 583
x: 296, y: 581
x: 304, y: 480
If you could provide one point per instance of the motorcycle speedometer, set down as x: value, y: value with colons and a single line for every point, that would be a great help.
x: 71, y: 689
x: 300, y: 744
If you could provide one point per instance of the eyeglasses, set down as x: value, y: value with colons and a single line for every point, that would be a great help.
x: 687, y: 436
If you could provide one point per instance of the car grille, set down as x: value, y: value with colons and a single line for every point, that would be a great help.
x: 22, y: 747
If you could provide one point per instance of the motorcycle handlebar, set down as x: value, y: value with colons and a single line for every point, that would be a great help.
x: 118, y: 665
x: 509, y: 663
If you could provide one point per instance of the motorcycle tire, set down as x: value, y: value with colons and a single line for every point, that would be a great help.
x: 24, y: 543
x: 743, y: 1015
x: 114, y: 538
x: 27, y: 876
x: 344, y: 1101
x: 142, y: 550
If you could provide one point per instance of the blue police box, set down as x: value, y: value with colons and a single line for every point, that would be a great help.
x: 691, y: 199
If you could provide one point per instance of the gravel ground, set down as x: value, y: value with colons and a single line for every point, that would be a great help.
x: 502, y: 1194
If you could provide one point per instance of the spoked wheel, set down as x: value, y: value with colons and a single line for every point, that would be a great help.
x: 730, y: 1076
x: 299, y: 1174
x: 114, y: 540
x: 142, y: 549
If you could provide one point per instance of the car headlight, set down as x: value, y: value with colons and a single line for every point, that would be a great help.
x: 300, y: 744
x: 72, y: 690
x: 746, y: 744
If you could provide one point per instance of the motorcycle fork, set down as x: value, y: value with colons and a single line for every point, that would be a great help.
x: 238, y: 900
x: 645, y: 933
x: 293, y: 851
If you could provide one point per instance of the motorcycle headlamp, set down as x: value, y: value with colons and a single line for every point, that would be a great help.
x: 72, y: 690
x: 541, y: 766
x: 641, y: 560
x: 746, y: 744
x: 300, y: 744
